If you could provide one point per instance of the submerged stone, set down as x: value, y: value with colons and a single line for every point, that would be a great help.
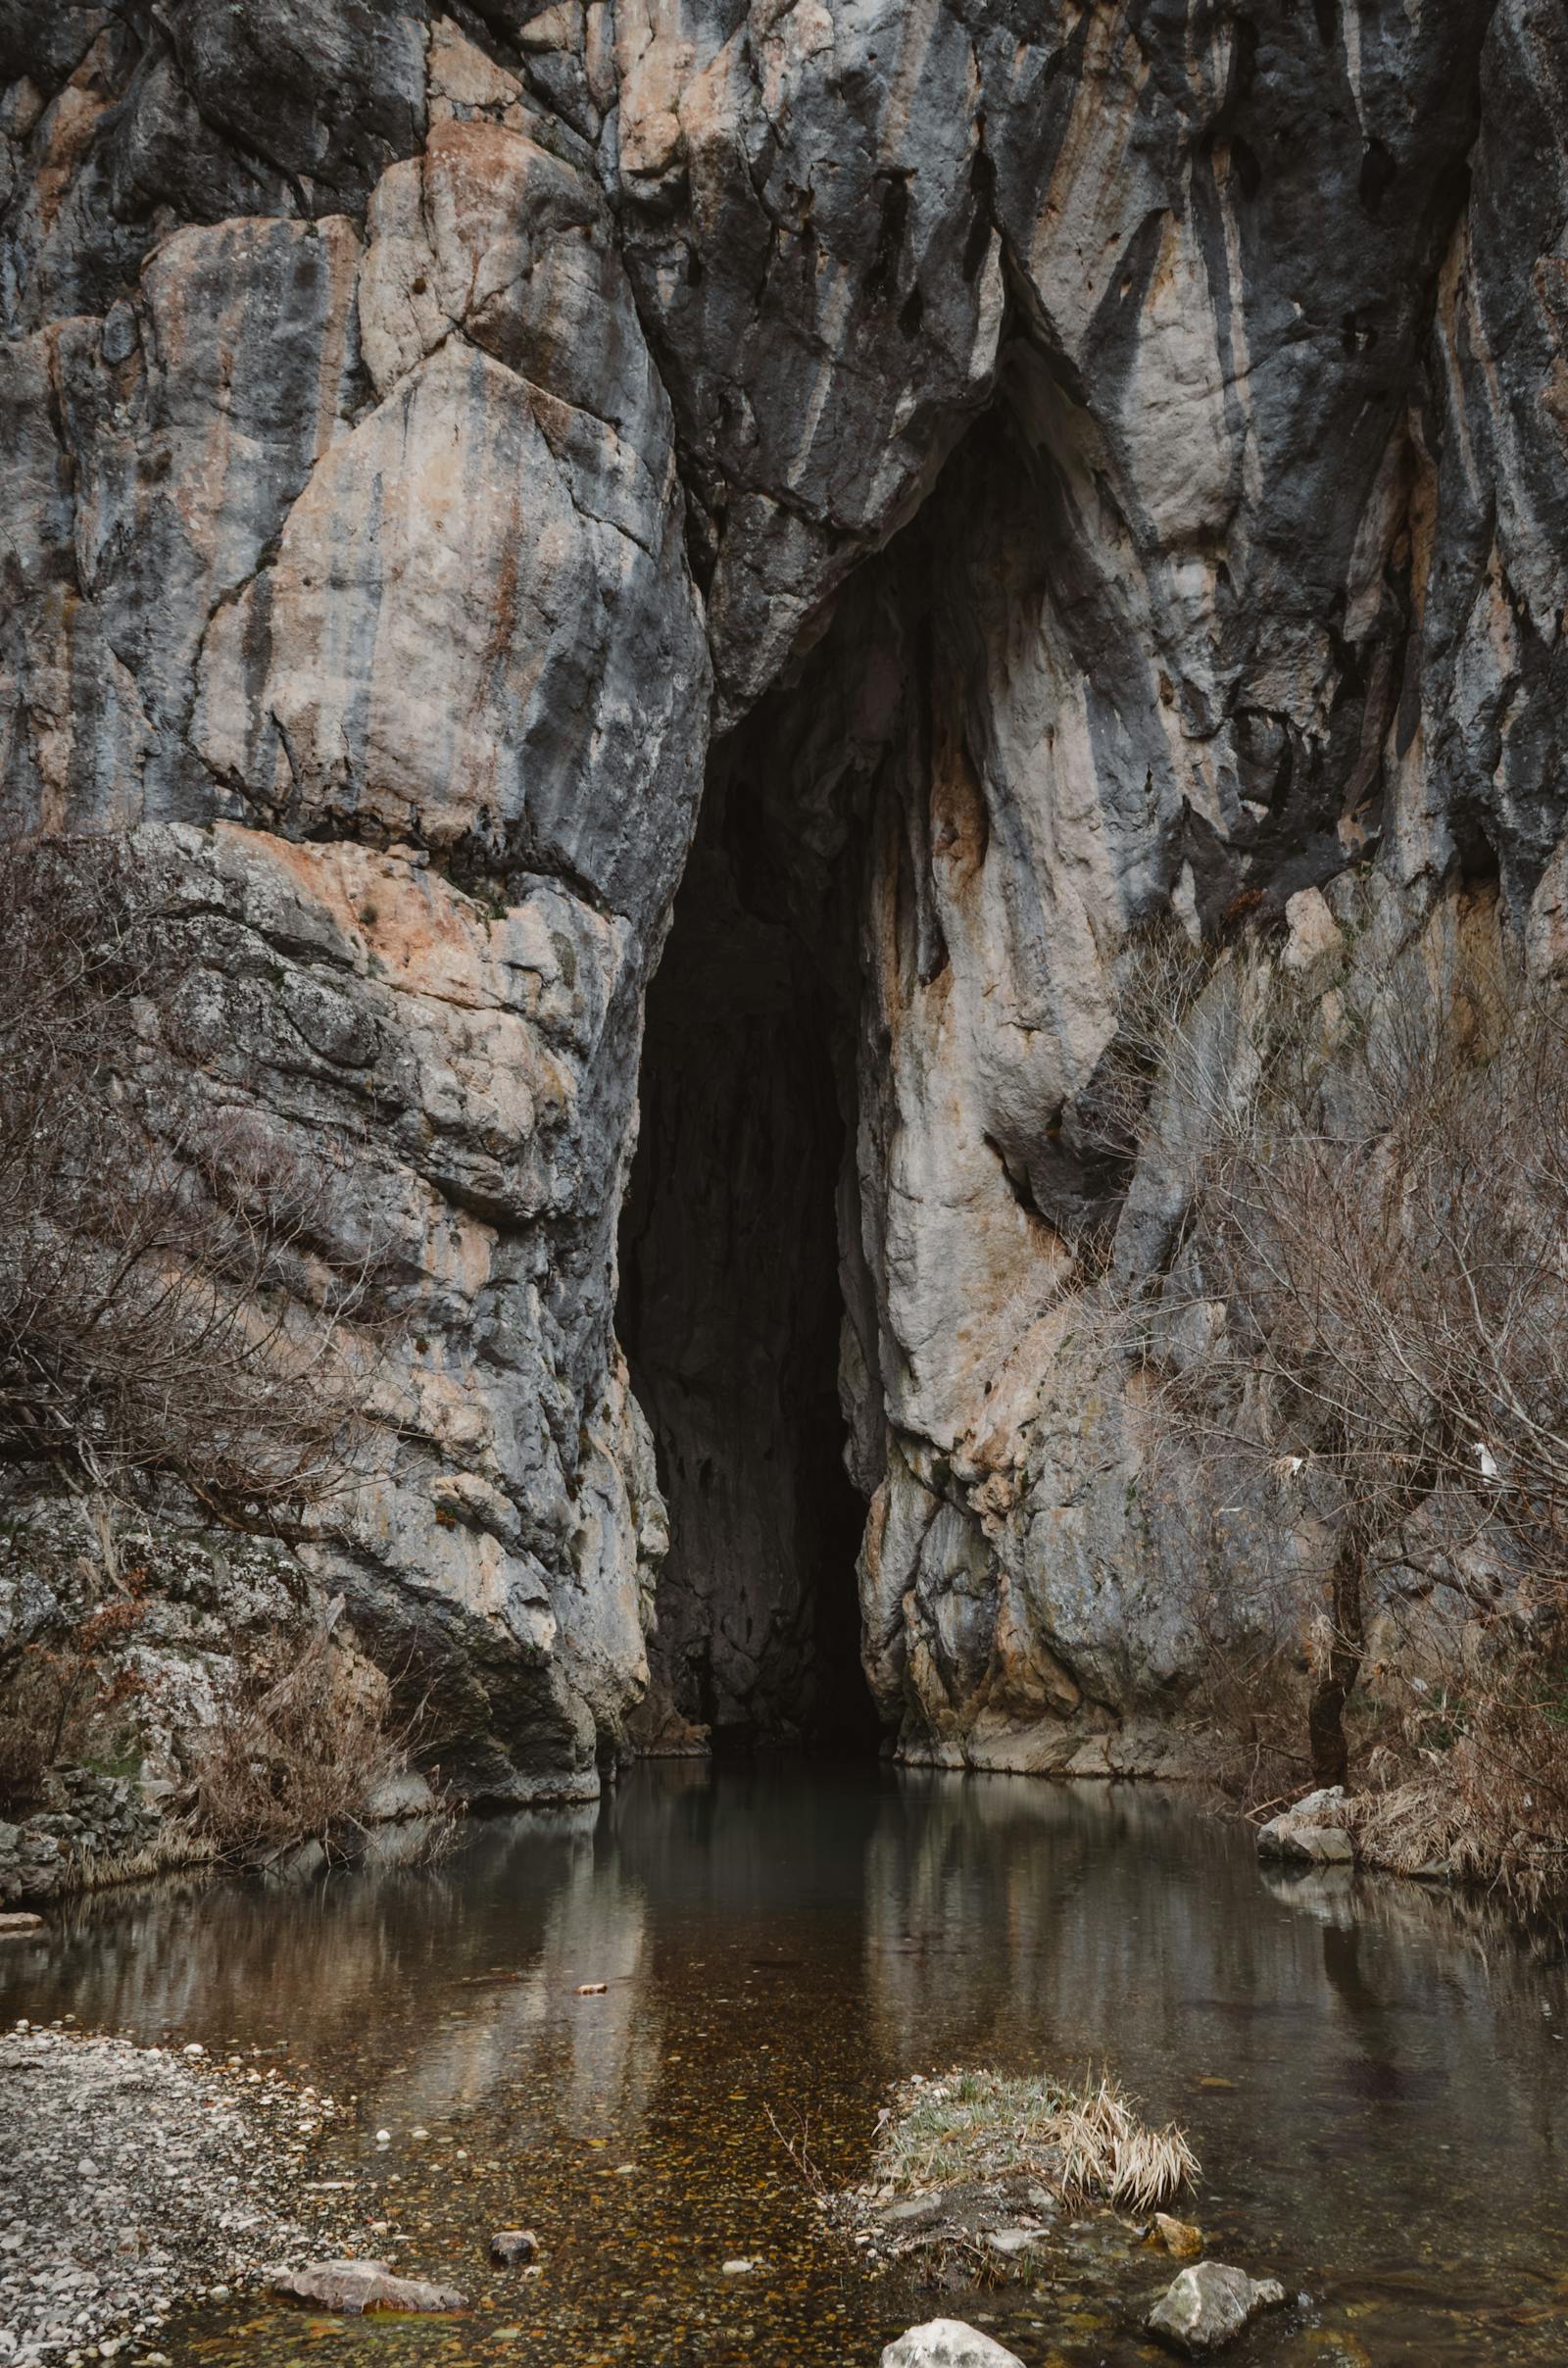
x: 1178, y: 2237
x: 357, y: 2287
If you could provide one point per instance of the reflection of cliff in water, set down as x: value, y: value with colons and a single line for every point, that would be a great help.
x: 436, y: 1985
x: 1301, y: 2021
x: 1365, y: 2069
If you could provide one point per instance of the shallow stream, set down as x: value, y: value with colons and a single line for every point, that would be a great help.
x: 1375, y: 2078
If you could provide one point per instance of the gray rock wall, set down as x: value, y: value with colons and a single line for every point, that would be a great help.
x: 1053, y: 464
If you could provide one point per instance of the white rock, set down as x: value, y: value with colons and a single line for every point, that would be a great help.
x: 1296, y: 1837
x: 1209, y: 2305
x: 948, y: 2344
x: 1313, y: 929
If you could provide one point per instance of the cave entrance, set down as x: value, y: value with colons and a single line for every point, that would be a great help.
x: 730, y: 1311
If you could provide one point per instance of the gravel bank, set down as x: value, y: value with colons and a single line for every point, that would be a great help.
x: 132, y: 2177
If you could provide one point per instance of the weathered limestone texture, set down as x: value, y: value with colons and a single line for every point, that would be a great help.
x: 1049, y: 466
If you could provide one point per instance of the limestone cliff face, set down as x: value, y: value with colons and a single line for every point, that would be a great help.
x: 1045, y: 465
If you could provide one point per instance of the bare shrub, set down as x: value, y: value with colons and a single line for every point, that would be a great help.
x: 297, y: 1755
x: 190, y: 1296
x: 175, y: 1303
x: 797, y: 2145
x: 29, y: 1735
x: 1246, y: 1689
x: 1371, y: 1285
x: 1476, y: 1784
x: 51, y: 1693
x: 1160, y: 974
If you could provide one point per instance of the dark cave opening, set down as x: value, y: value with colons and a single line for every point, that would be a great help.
x: 730, y: 1310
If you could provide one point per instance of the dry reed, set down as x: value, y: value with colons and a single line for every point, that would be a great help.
x: 1086, y: 2142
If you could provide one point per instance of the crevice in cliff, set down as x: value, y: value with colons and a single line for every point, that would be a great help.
x: 730, y: 1311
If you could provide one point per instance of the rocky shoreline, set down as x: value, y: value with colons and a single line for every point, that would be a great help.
x: 134, y: 2178
x: 96, y: 1831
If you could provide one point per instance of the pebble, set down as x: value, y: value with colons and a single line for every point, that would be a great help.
x: 1178, y: 2237
x: 217, y: 2198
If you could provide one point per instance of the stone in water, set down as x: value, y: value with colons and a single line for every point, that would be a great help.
x: 360, y: 2286
x: 1209, y: 2306
x: 948, y: 2344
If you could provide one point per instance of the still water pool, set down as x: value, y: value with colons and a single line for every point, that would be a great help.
x: 1375, y: 2078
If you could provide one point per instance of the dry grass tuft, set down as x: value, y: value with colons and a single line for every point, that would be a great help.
x: 1490, y: 1811
x: 1087, y: 2141
x: 175, y: 1847
x: 300, y: 1753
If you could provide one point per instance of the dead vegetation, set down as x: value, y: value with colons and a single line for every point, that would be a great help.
x: 177, y: 1279
x: 1084, y: 2143
x: 52, y: 1692
x: 303, y: 1744
x: 192, y: 1320
x: 1361, y: 1333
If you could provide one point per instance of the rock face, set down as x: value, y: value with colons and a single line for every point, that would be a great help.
x: 85, y: 1816
x: 1044, y: 469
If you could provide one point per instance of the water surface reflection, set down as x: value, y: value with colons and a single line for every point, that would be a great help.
x: 1374, y: 2079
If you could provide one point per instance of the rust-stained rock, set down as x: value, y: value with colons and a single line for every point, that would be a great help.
x: 1179, y: 2237
x: 1057, y: 477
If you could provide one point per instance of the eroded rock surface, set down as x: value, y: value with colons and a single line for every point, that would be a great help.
x: 1210, y: 2306
x: 1050, y: 468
